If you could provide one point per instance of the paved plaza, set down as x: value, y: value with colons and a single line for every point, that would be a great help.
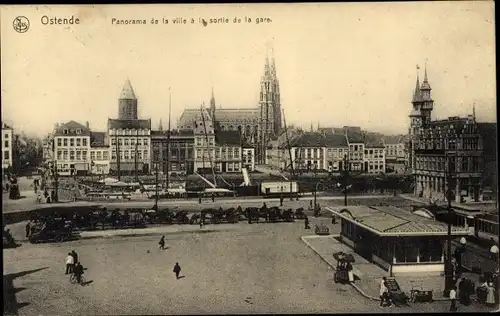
x: 231, y: 268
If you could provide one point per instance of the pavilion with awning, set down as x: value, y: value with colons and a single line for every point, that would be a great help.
x: 396, y: 239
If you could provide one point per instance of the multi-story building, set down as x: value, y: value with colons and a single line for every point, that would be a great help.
x: 7, y: 147
x: 174, y: 151
x: 374, y: 158
x: 99, y: 153
x: 336, y: 149
x: 72, y: 148
x: 129, y: 136
x: 356, y: 156
x: 444, y: 154
x: 130, y: 139
x: 221, y: 150
x: 395, y: 152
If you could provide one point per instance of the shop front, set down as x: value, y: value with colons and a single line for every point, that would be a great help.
x: 395, y: 239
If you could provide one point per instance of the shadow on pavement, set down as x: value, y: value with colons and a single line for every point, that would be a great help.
x: 10, y: 304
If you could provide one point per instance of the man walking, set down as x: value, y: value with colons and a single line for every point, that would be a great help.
x: 213, y: 197
x: 161, y: 243
x: 70, y: 262
x: 177, y: 270
x: 281, y: 200
x: 28, y: 229
x: 306, y: 223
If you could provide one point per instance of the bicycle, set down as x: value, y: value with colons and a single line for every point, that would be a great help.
x: 74, y: 280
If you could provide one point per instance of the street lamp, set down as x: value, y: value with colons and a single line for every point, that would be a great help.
x: 345, y: 167
x: 449, y: 282
x: 315, y: 193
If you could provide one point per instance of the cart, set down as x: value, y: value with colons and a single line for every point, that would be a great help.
x: 344, y: 266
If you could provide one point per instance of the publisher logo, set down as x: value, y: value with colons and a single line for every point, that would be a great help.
x: 21, y: 24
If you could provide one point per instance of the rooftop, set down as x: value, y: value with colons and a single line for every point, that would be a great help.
x: 72, y: 128
x: 127, y: 91
x: 129, y: 124
x: 392, y: 221
x: 174, y: 133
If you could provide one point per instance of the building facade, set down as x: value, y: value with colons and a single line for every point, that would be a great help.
x: 248, y: 157
x: 445, y: 154
x: 374, y: 158
x: 72, y: 148
x: 7, y: 147
x: 256, y: 125
x: 336, y: 149
x: 99, y: 153
x: 174, y: 151
x: 129, y: 146
x: 396, y: 152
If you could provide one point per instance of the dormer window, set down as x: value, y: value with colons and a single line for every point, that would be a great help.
x: 65, y: 131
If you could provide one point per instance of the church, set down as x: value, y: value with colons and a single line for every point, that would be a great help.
x: 257, y: 125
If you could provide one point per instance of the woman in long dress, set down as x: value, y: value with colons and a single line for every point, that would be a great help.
x: 490, y: 297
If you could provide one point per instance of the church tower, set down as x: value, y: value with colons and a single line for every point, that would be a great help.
x: 270, y: 122
x: 127, y: 103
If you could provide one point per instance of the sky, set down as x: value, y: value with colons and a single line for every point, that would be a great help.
x: 338, y: 64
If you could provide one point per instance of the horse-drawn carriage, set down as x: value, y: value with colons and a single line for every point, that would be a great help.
x: 344, y: 271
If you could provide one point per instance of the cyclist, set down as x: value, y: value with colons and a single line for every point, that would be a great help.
x: 78, y: 272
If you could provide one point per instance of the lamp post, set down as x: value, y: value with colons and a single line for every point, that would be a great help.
x: 449, y: 281
x: 345, y: 169
x: 315, y: 197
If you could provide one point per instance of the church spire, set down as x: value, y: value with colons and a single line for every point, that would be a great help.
x: 474, y: 111
x: 416, y: 94
x: 425, y: 85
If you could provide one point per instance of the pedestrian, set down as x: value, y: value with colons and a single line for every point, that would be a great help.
x: 78, y: 270
x: 28, y: 229
x: 177, y: 270
x: 199, y: 199
x: 383, y: 291
x: 70, y: 262
x: 281, y: 200
x: 310, y: 204
x: 334, y: 219
x: 490, y: 296
x: 213, y: 197
x: 306, y: 223
x: 161, y: 243
x: 75, y: 256
x: 453, y: 299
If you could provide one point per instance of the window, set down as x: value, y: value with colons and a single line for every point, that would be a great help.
x: 59, y: 142
x: 71, y: 155
x: 145, y: 142
x: 126, y: 155
x: 71, y: 142
x: 98, y: 155
x: 139, y: 155
x: 92, y: 155
x: 7, y: 135
x: 65, y: 155
x: 145, y: 155
x: 65, y: 142
x: 210, y: 141
x: 230, y: 153
x: 6, y: 144
x: 125, y: 141
x: 120, y: 141
x: 59, y: 154
x: 78, y: 142
x: 217, y: 153
x: 113, y: 141
x: 105, y: 155
x: 121, y: 155
x: 78, y: 155
x: 84, y: 154
x: 6, y: 155
x: 230, y: 167
x: 237, y: 153
x: 236, y: 166
x: 132, y: 141
x: 113, y: 155
x: 224, y: 153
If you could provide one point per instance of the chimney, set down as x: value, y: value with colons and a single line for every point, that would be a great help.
x: 87, y: 125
